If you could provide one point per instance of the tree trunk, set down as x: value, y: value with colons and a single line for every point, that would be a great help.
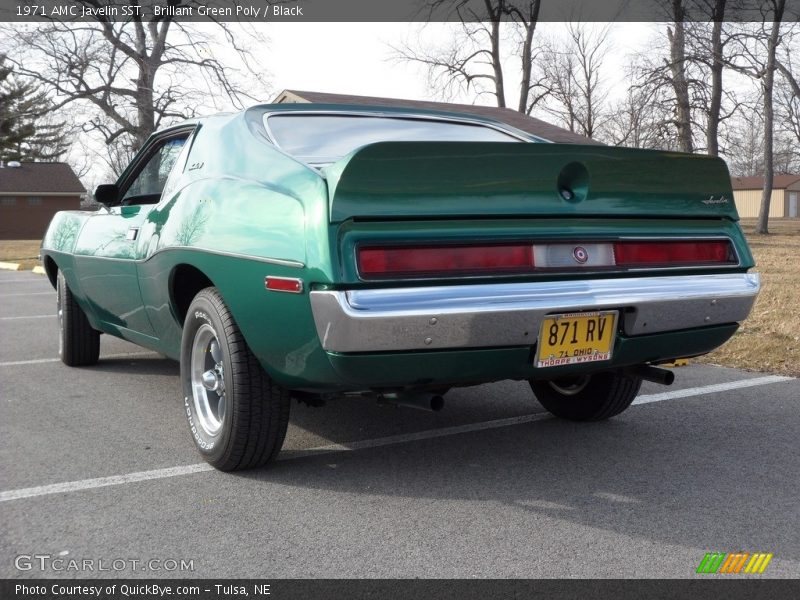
x: 497, y: 62
x: 677, y: 51
x: 527, y: 61
x: 769, y: 116
x: 712, y: 129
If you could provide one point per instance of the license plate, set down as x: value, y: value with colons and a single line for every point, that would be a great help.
x: 576, y: 338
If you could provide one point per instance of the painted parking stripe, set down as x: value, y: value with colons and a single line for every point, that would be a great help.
x: 711, y: 389
x: 38, y: 361
x: 27, y: 280
x: 28, y: 294
x: 86, y: 484
x: 50, y: 316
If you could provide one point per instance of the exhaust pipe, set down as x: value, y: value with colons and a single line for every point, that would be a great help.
x: 654, y: 374
x: 422, y: 402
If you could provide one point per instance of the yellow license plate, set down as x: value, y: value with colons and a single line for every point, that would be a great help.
x: 576, y: 338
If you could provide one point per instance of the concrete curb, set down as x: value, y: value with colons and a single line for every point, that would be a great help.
x: 9, y: 266
x: 39, y: 270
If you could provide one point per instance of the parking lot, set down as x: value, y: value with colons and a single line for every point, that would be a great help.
x: 97, y: 463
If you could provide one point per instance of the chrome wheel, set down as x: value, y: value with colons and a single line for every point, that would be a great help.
x: 207, y: 374
x: 570, y: 386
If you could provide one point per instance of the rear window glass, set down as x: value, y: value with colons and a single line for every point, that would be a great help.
x: 323, y: 139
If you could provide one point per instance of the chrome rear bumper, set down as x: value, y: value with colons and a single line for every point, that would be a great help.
x: 509, y: 314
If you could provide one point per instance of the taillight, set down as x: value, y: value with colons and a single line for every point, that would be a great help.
x: 375, y: 262
x: 673, y: 254
x: 386, y: 261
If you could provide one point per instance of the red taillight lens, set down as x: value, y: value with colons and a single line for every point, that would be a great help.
x: 666, y: 253
x: 443, y: 260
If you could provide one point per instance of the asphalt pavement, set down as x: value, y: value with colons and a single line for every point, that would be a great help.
x: 97, y: 464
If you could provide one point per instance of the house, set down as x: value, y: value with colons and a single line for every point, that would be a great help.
x: 31, y: 193
x: 785, y: 193
x: 506, y: 115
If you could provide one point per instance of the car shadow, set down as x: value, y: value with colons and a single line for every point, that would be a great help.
x: 156, y: 365
x: 701, y: 478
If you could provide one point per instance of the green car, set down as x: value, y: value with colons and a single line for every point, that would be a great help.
x: 317, y: 252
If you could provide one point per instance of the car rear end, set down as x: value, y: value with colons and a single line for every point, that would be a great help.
x: 463, y: 262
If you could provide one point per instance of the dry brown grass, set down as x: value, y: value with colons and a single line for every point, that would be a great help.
x: 24, y: 252
x: 770, y: 338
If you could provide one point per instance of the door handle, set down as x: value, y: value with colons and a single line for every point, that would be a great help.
x: 133, y: 232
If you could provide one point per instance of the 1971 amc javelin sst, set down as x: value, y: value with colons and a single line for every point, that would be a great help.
x: 318, y: 251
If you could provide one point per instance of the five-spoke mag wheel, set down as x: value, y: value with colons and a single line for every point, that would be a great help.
x: 236, y: 414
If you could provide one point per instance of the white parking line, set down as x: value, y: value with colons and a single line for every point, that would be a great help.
x: 27, y: 280
x: 50, y: 316
x: 87, y: 484
x: 38, y: 361
x: 28, y: 294
x: 711, y: 389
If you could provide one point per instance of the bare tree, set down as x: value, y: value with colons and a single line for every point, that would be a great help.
x: 573, y: 71
x: 788, y: 104
x: 132, y: 76
x: 641, y: 119
x: 756, y: 56
x: 706, y: 42
x: 677, y: 68
x: 745, y: 154
x: 472, y: 60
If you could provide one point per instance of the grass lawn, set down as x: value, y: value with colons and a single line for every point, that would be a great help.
x: 768, y: 341
x: 24, y: 252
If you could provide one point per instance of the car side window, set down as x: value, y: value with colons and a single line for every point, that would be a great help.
x: 149, y: 183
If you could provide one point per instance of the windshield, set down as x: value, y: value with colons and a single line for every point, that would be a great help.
x: 323, y: 139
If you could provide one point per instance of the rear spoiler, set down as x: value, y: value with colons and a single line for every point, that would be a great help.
x: 495, y: 179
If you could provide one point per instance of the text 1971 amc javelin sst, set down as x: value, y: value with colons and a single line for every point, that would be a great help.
x: 321, y: 251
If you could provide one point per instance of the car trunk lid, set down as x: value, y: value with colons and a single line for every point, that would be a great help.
x: 422, y: 180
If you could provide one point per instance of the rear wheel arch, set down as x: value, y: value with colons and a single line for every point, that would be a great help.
x: 185, y: 283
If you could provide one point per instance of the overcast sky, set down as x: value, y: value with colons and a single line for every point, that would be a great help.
x: 354, y: 58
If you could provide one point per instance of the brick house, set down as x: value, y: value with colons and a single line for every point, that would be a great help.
x: 31, y: 193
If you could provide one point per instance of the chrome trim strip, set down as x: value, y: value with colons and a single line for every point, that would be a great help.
x: 272, y: 261
x: 509, y: 314
x: 284, y: 262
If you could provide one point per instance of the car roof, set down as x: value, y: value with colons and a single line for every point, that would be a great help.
x: 393, y: 111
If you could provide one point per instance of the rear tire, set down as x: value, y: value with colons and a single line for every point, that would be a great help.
x: 587, y: 397
x: 78, y: 342
x: 237, y: 415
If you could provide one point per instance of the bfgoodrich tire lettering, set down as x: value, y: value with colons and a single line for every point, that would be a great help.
x: 589, y: 397
x: 78, y: 342
x: 237, y: 415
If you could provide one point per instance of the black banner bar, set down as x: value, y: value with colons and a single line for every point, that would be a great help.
x: 706, y: 587
x: 379, y: 10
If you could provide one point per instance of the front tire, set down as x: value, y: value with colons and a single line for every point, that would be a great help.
x: 587, y: 397
x: 78, y: 342
x: 237, y: 415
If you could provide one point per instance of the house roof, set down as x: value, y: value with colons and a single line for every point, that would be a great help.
x: 506, y: 115
x: 779, y: 182
x: 39, y: 178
